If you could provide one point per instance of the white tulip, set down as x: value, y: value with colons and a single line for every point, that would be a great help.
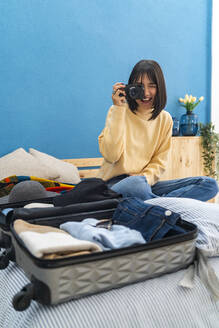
x: 185, y: 101
x: 193, y: 99
x: 186, y: 97
x: 190, y: 99
x: 201, y: 98
x: 181, y: 100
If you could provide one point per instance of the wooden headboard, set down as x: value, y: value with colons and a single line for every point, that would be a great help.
x: 185, y: 160
x: 88, y: 167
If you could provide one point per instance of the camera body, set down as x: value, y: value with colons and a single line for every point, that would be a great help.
x: 134, y: 91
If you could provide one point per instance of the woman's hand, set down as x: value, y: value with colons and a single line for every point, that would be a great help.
x: 118, y: 100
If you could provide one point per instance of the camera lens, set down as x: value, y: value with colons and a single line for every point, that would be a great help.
x: 133, y: 92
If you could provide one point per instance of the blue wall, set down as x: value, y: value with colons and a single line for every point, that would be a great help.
x: 59, y: 59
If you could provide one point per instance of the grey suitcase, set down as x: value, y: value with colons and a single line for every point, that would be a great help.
x: 61, y: 280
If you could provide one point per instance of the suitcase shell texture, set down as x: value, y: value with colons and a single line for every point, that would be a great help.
x: 60, y: 280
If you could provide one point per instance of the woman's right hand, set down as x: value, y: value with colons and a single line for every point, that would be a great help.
x: 118, y: 100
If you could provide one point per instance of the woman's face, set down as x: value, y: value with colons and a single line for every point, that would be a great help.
x: 150, y: 90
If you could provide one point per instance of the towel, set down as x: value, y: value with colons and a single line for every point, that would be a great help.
x: 49, y: 243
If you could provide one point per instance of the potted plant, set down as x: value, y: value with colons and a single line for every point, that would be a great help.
x: 189, y: 121
x: 210, y: 149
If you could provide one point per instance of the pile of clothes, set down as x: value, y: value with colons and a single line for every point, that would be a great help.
x: 133, y: 222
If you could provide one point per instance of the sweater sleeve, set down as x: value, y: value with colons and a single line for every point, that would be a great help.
x: 158, y: 162
x: 111, y: 139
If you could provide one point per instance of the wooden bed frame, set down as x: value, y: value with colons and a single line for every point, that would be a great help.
x: 185, y: 160
x: 88, y: 167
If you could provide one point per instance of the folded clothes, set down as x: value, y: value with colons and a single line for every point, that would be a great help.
x: 48, y: 242
x: 88, y: 190
x: 117, y: 237
x: 8, y: 183
x: 60, y: 189
x: 153, y: 221
x: 38, y: 205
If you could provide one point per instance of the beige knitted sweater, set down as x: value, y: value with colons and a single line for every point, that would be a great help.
x: 130, y: 144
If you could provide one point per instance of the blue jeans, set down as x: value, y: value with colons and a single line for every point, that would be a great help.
x: 153, y: 221
x: 200, y: 188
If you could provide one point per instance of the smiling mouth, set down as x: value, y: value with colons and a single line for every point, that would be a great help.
x: 146, y: 100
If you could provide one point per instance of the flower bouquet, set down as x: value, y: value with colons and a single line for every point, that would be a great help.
x: 189, y: 102
x: 189, y: 121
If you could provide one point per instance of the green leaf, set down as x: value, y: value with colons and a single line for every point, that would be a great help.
x: 196, y: 104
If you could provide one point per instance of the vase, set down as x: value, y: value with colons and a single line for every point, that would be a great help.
x: 175, y: 131
x: 189, y: 124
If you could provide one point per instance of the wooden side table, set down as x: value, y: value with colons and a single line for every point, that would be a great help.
x: 185, y: 159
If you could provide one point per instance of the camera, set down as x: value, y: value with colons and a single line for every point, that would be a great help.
x: 133, y: 91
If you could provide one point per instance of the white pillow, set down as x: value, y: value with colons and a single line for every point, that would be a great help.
x: 20, y: 162
x: 68, y: 173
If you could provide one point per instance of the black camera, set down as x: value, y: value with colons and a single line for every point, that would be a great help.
x: 134, y: 91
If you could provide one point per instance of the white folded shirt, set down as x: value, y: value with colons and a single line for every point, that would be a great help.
x: 40, y: 244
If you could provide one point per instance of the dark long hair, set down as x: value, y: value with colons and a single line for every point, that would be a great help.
x: 154, y: 72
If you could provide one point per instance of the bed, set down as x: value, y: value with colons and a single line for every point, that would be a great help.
x: 154, y: 303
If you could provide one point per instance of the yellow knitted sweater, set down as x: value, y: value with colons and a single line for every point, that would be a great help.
x: 130, y: 144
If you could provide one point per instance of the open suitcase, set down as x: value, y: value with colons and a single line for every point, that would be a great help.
x: 52, y: 214
x: 60, y: 280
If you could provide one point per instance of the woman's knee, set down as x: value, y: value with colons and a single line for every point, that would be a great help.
x: 134, y: 186
x: 129, y: 184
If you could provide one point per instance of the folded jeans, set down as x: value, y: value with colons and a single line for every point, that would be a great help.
x: 154, y: 222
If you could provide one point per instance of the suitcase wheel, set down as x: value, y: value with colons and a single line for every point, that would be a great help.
x: 4, y: 260
x: 21, y: 300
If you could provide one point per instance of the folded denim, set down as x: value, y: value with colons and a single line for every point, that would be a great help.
x: 154, y: 222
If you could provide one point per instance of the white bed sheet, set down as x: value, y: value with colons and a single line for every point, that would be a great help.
x: 154, y: 303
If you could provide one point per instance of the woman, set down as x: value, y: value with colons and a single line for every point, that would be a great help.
x: 137, y: 138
